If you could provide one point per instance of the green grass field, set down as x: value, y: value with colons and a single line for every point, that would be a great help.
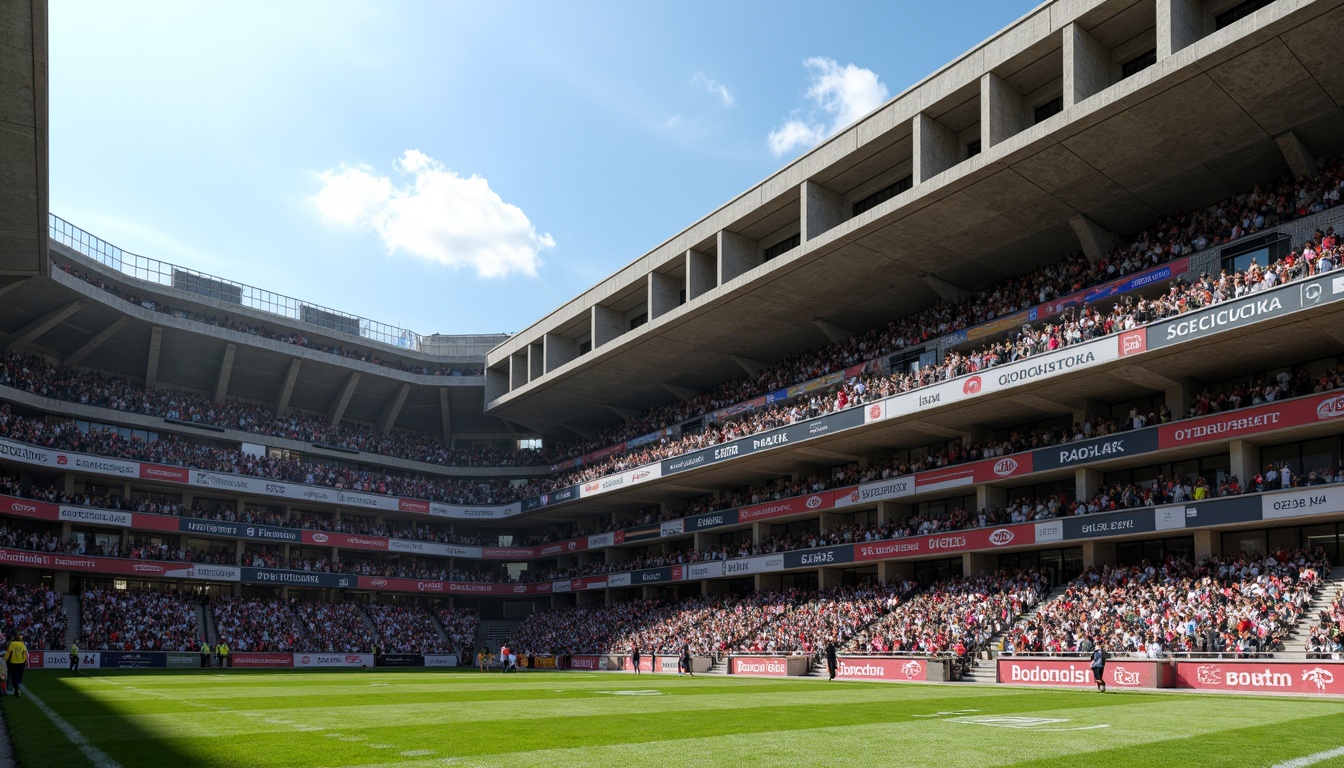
x: 408, y: 719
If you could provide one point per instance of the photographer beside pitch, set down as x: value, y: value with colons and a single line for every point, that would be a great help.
x: 1099, y: 667
x: 16, y: 661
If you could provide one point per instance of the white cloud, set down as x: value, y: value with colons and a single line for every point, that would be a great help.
x: 839, y: 95
x: 714, y: 87
x: 435, y: 215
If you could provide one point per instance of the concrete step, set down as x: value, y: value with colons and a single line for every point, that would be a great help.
x: 70, y: 605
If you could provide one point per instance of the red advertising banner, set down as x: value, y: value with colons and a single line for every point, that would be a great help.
x: 884, y: 669
x: 791, y: 506
x: 957, y: 541
x: 587, y: 662
x: 1249, y: 421
x: 773, y: 666
x: 1075, y: 673
x: 34, y: 510
x: 561, y: 547
x: 166, y: 474
x: 261, y: 660
x: 349, y: 541
x: 430, y: 586
x: 990, y: 470
x: 413, y: 505
x: 1261, y: 676
x: 143, y: 522
x: 508, y: 553
x: 63, y: 562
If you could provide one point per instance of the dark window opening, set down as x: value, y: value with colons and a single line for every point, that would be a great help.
x: 1138, y: 64
x: 681, y: 297
x: 883, y: 195
x: 1049, y: 108
x: 585, y: 347
x: 973, y: 149
x: 1238, y: 13
x: 782, y: 247
x: 638, y: 320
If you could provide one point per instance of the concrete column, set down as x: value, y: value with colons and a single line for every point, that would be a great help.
x: 445, y: 415
x: 822, y: 210
x: 1087, y: 65
x: 225, y: 371
x: 1086, y: 482
x: 496, y: 382
x: 1300, y: 159
x: 895, y: 570
x: 1098, y: 553
x: 61, y: 583
x: 757, y: 532
x: 737, y: 255
x: 557, y: 350
x: 828, y: 577
x: 664, y: 294
x: 75, y: 357
x: 681, y: 393
x: 287, y: 388
x: 1095, y: 240
x: 1179, y: 394
x: 388, y: 418
x: 517, y: 370
x: 535, y: 361
x: 936, y: 148
x: 1003, y: 111
x: 1179, y: 23
x: 607, y: 325
x: 892, y: 512
x: 701, y: 274
x: 337, y: 410
x: 978, y: 563
x: 1244, y: 459
x: 834, y: 333
x: 1207, y: 543
x: 989, y: 497
x: 152, y: 366
x: 944, y: 289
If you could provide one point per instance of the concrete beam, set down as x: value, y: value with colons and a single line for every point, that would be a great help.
x: 225, y: 371
x: 701, y: 274
x: 30, y: 332
x: 835, y: 333
x: 752, y: 367
x: 1299, y: 158
x: 577, y: 431
x: 445, y: 415
x: 1087, y: 65
x: 13, y: 286
x: 1137, y: 374
x: 933, y: 429
x: 1095, y: 240
x: 152, y: 365
x: 1003, y: 111
x: 392, y: 410
x: 625, y: 413
x: 342, y: 401
x: 681, y: 393
x: 936, y: 148
x: 1043, y: 403
x: 664, y: 294
x: 737, y: 255
x: 823, y: 209
x: 287, y: 387
x: 89, y: 346
x: 944, y: 289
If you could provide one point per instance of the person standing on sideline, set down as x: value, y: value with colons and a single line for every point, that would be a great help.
x: 205, y: 654
x: 223, y: 655
x: 686, y: 659
x: 16, y: 660
x: 634, y: 656
x: 1099, y: 667
x: 831, y: 661
x: 74, y: 658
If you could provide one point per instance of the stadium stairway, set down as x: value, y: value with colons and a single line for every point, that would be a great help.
x: 206, y: 621
x: 493, y: 632
x: 438, y: 627
x: 70, y: 603
x: 1295, y: 641
x: 719, y: 667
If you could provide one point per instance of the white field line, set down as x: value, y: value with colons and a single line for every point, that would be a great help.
x: 1302, y: 762
x: 95, y: 755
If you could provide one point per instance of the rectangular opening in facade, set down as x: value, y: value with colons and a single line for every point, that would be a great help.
x: 1139, y: 63
x: 882, y: 195
x: 1022, y: 91
x: 1108, y: 44
x: 782, y: 247
x: 1048, y: 109
x: 946, y: 131
x: 742, y: 245
x: 1237, y: 12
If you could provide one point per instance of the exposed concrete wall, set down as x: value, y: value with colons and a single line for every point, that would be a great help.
x: 701, y: 274
x: 517, y: 370
x: 936, y: 148
x: 556, y: 351
x: 1087, y: 65
x: 23, y: 141
x: 664, y: 294
x: 1095, y: 240
x: 737, y: 255
x: 496, y: 383
x: 535, y: 361
x: 1179, y: 23
x: 1298, y: 157
x: 822, y: 209
x: 608, y: 324
x: 1003, y: 111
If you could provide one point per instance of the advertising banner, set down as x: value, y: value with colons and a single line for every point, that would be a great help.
x: 771, y: 666
x: 618, y: 580
x: 878, y: 490
x: 61, y: 660
x: 1312, y: 500
x: 33, y: 510
x: 433, y: 548
x: 711, y: 520
x: 344, y: 540
x: 134, y: 660
x: 744, y: 566
x: 953, y: 541
x: 245, y: 660
x: 1097, y: 449
x: 399, y: 660
x: 602, y: 540
x: 1230, y: 315
x: 1109, y: 524
x: 809, y: 558
x: 240, y: 530
x: 95, y: 516
x: 297, y: 578
x: 895, y: 669
x: 183, y: 661
x: 441, y: 660
x: 585, y: 662
x: 1224, y: 511
x: 709, y: 570
x: 1075, y: 673
x: 1261, y: 676
x: 672, y: 528
x: 791, y: 506
x: 333, y: 659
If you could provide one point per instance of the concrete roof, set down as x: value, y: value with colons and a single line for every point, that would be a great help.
x: 23, y: 140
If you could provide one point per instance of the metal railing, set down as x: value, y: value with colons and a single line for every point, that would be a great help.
x: 229, y: 291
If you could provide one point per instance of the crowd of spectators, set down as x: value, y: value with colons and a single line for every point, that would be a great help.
x: 460, y: 626
x: 1325, y: 640
x: 33, y: 613
x: 333, y: 628
x: 406, y: 629
x: 832, y: 615
x: 1241, y: 605
x: 251, y: 624
x: 957, y: 617
x: 137, y: 620
x: 287, y: 337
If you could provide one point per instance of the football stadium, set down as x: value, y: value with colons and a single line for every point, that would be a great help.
x: 1004, y: 427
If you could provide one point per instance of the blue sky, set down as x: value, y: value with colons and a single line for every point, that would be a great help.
x: 449, y: 167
